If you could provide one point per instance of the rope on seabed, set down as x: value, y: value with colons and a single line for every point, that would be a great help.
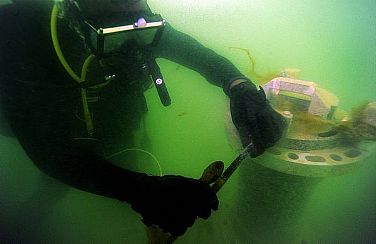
x: 140, y: 150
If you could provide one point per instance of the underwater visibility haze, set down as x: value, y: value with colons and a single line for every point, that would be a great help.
x: 331, y: 43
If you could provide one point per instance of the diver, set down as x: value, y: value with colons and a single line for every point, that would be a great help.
x: 45, y: 44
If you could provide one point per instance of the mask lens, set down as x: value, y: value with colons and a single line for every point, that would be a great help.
x: 111, y: 43
x: 113, y: 39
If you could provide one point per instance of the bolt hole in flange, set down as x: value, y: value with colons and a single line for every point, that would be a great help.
x: 352, y: 153
x: 329, y: 133
x: 335, y: 157
x: 315, y: 159
x: 293, y: 156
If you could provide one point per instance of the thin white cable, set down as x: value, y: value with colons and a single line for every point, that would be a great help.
x: 140, y: 150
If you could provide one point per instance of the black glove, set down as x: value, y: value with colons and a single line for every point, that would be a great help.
x: 254, y: 118
x: 173, y: 202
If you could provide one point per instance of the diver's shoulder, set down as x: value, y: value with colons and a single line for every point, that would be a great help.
x: 25, y: 8
x: 24, y: 17
x: 8, y: 9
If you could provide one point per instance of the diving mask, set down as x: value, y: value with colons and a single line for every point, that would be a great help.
x: 145, y: 32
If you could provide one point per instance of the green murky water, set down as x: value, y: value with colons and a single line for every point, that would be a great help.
x: 332, y: 42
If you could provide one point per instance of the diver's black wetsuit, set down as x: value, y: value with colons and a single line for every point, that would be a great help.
x: 42, y: 107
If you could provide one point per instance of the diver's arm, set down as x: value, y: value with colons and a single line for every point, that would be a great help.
x: 171, y: 202
x: 183, y: 49
x: 252, y: 115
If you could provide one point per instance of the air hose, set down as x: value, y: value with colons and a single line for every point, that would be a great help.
x: 63, y: 61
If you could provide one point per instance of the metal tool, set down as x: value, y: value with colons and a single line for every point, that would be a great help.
x: 213, y: 174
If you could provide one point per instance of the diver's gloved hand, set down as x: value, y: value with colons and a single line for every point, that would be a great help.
x: 173, y: 202
x: 254, y: 118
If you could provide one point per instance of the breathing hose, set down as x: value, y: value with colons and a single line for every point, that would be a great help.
x: 63, y: 61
